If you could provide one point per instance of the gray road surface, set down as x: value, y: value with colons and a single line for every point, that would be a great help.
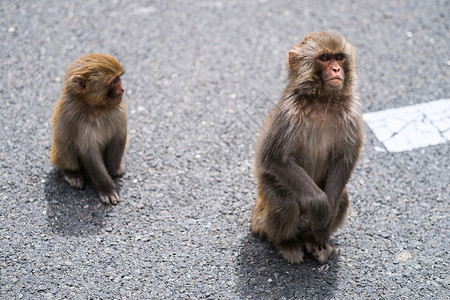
x: 200, y: 77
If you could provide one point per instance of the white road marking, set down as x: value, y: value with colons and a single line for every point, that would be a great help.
x: 411, y: 127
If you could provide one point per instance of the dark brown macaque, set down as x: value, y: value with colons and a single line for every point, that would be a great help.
x: 90, y: 125
x: 307, y: 149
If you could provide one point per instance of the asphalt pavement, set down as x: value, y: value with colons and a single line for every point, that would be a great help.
x: 200, y: 76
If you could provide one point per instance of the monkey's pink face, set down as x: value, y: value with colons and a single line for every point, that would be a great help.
x: 332, y: 71
x: 115, y: 91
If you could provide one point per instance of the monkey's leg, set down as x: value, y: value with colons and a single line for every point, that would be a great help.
x: 93, y: 163
x: 282, y: 220
x: 259, y: 214
x: 291, y: 250
x: 344, y: 204
x: 74, y: 178
x: 67, y: 162
x: 113, y: 156
x: 257, y: 219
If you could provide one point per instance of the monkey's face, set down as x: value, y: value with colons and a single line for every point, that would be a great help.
x: 95, y: 79
x: 322, y: 65
x: 331, y: 66
x: 115, y: 91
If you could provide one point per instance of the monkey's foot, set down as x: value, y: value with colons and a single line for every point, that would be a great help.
x: 256, y: 226
x: 292, y: 251
x: 74, y: 179
x: 257, y: 230
x: 109, y: 198
x: 321, y: 255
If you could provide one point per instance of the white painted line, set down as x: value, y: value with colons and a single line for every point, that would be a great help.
x: 411, y: 127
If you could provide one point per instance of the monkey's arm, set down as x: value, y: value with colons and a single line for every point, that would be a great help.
x: 338, y: 177
x: 309, y: 195
x: 113, y: 154
x: 92, y: 161
x: 276, y: 160
x: 342, y: 165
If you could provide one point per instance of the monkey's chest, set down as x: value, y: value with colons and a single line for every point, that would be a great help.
x: 100, y: 132
x: 318, y: 143
x: 321, y: 118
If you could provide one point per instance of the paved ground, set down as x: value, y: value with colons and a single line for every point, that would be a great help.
x: 200, y: 77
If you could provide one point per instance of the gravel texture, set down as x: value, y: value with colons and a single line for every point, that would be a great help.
x: 200, y: 78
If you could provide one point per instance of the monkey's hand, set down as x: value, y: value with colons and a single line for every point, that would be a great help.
x: 109, y: 197
x: 321, y: 236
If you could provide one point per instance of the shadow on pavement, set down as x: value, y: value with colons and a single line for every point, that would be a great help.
x: 73, y: 212
x: 263, y: 274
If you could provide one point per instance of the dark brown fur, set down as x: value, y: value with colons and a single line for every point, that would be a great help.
x: 90, y: 125
x: 307, y: 149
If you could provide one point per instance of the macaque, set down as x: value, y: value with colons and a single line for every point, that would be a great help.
x: 90, y: 125
x: 307, y: 149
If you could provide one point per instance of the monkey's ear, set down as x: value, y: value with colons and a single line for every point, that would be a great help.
x: 79, y: 84
x: 292, y: 61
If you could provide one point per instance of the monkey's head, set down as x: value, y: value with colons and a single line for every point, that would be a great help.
x: 95, y: 78
x: 323, y: 64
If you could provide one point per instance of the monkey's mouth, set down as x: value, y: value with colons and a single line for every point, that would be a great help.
x: 335, y: 81
x: 335, y: 78
x: 115, y: 100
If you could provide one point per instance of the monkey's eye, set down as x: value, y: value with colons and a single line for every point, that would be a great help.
x: 116, y: 79
x: 325, y: 57
x: 340, y: 56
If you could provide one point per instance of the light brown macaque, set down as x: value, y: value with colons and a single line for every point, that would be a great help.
x: 307, y: 149
x: 90, y: 125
